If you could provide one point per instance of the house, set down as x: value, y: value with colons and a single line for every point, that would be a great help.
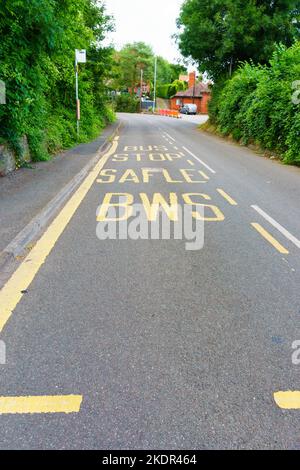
x: 146, y: 89
x: 184, y: 78
x: 198, y: 93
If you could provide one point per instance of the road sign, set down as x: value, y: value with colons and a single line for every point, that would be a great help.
x: 80, y: 56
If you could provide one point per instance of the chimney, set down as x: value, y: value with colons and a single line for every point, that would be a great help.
x: 192, y: 79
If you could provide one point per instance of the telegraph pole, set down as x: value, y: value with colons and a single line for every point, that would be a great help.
x: 155, y: 81
x: 142, y: 82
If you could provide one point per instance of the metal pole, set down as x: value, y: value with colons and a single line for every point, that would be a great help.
x: 77, y: 96
x: 155, y: 81
x: 142, y: 81
x: 230, y: 66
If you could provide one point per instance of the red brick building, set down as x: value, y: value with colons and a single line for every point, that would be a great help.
x: 198, y: 93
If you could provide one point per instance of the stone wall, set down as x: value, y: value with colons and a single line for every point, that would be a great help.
x: 8, y: 159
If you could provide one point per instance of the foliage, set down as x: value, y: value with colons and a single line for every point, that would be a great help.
x: 256, y: 104
x: 177, y: 86
x: 218, y: 34
x: 38, y: 39
x: 170, y: 89
x: 131, y: 60
x: 163, y: 91
x: 128, y: 62
x: 168, y: 73
x: 126, y: 103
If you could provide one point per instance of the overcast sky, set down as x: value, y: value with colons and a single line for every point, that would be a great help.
x: 150, y: 21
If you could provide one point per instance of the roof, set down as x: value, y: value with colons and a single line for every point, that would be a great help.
x: 195, y: 91
x: 184, y: 78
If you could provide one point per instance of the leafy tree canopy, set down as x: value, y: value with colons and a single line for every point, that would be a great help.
x: 168, y: 73
x: 129, y: 61
x: 38, y: 42
x: 218, y: 34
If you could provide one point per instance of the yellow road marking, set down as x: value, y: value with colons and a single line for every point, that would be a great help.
x: 227, y: 197
x: 44, y: 404
x: 270, y: 239
x: 191, y: 163
x: 11, y: 293
x: 204, y: 175
x: 287, y: 400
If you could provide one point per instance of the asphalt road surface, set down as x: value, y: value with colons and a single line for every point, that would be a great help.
x: 143, y: 344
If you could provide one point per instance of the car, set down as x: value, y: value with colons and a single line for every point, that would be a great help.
x: 189, y: 109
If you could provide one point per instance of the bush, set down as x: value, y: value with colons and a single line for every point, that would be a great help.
x: 127, y: 103
x: 170, y: 89
x: 39, y: 38
x: 163, y: 91
x: 256, y: 105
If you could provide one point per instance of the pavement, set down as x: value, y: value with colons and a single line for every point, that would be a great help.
x: 25, y: 193
x: 141, y: 344
x: 197, y: 120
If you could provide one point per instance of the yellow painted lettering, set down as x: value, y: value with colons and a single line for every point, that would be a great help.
x: 130, y: 148
x: 188, y: 175
x: 157, y: 157
x: 173, y: 156
x: 152, y: 208
x: 107, y: 203
x: 168, y: 177
x: 218, y: 215
x: 122, y: 157
x: 129, y: 177
x: 110, y: 176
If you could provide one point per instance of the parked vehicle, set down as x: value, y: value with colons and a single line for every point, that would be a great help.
x: 189, y: 109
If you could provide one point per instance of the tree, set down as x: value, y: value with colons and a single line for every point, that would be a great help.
x: 218, y: 34
x: 164, y: 71
x: 128, y: 62
x: 38, y: 40
x: 132, y: 59
x: 177, y: 70
x: 168, y: 73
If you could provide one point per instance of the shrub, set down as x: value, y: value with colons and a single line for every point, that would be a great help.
x: 38, y: 40
x: 168, y: 90
x: 127, y: 103
x: 163, y: 91
x: 256, y: 105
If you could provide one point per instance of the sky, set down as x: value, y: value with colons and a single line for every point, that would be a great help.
x: 150, y: 21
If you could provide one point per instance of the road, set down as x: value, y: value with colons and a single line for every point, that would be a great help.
x: 143, y: 344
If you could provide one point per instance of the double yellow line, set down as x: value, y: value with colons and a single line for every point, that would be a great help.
x: 11, y: 294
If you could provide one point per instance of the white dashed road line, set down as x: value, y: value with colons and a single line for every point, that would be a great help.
x: 200, y: 161
x: 170, y: 137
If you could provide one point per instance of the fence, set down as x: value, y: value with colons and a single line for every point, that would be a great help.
x: 168, y: 113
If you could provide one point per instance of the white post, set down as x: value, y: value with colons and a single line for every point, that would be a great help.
x: 77, y: 95
x: 155, y: 81
x: 142, y: 82
x: 80, y: 58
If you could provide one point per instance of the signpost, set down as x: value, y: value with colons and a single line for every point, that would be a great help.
x: 142, y: 83
x: 2, y: 93
x: 80, y: 58
x: 155, y: 81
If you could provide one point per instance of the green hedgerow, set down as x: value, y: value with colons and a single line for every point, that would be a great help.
x: 37, y: 48
x: 256, y: 104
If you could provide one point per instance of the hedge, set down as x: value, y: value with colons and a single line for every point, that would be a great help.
x: 37, y: 49
x: 256, y: 105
